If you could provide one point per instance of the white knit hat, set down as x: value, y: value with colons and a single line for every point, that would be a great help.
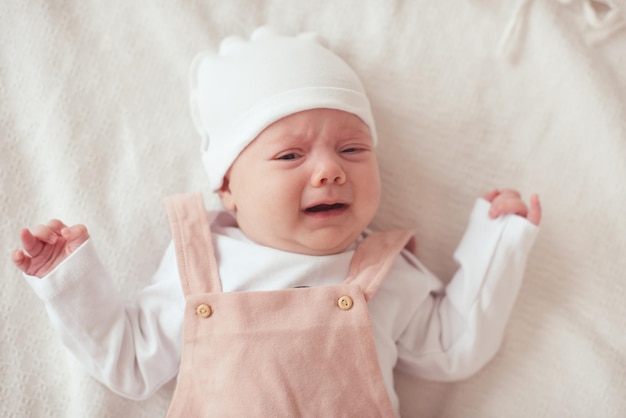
x: 249, y: 85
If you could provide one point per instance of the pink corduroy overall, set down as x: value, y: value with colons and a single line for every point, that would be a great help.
x: 302, y: 352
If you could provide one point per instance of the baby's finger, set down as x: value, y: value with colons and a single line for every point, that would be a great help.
x: 75, y: 232
x: 75, y: 235
x: 20, y: 260
x: 506, y: 206
x: 31, y: 244
x: 56, y: 226
x: 534, y: 212
x: 491, y: 195
x: 45, y: 234
x: 510, y: 193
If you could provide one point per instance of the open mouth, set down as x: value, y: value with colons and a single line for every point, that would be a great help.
x: 326, y: 208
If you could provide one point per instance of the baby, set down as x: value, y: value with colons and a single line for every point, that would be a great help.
x: 284, y: 304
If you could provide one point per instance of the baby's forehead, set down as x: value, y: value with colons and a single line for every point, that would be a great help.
x: 310, y: 125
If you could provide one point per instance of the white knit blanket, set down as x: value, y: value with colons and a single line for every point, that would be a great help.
x: 468, y: 95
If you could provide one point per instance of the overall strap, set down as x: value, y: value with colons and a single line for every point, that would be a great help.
x: 375, y: 256
x: 191, y: 232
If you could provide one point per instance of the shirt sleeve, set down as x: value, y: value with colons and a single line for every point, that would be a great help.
x: 131, y: 348
x: 454, y: 333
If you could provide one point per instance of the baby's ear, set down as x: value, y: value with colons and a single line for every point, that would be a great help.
x: 226, y: 196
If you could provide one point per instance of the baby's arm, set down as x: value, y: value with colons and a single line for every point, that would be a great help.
x: 46, y: 246
x: 453, y: 334
x: 133, y: 347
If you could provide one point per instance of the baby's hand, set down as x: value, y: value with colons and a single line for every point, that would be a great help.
x: 509, y: 201
x: 46, y: 246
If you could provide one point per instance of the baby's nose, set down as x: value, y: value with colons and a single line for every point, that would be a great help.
x: 328, y: 171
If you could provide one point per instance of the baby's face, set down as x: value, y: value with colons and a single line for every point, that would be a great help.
x: 309, y: 183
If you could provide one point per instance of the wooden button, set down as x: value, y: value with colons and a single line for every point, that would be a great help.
x: 345, y: 302
x: 204, y: 310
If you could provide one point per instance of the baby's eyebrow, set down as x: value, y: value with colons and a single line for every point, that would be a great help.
x: 357, y: 130
x: 357, y: 135
x: 288, y: 140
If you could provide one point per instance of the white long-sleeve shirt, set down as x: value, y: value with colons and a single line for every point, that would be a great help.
x: 419, y: 326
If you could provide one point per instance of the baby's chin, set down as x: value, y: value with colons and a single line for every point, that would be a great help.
x: 326, y: 240
x: 320, y: 244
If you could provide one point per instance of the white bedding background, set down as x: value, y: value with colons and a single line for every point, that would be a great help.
x: 468, y: 94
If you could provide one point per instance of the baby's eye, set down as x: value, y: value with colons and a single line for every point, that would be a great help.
x: 289, y: 156
x: 351, y: 150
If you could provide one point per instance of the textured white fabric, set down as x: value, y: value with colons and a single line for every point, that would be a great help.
x: 441, y: 335
x: 95, y: 128
x: 249, y: 85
